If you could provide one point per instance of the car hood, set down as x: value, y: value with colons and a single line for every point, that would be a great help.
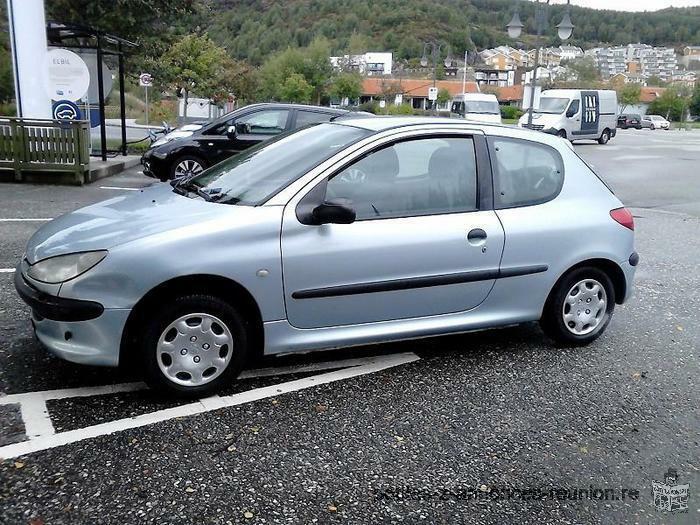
x: 122, y: 219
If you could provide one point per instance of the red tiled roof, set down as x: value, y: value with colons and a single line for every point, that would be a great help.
x: 412, y: 86
x: 649, y: 94
x: 509, y: 93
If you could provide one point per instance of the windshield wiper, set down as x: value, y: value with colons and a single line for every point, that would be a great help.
x: 185, y: 185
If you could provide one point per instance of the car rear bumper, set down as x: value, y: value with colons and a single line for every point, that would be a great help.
x: 629, y: 268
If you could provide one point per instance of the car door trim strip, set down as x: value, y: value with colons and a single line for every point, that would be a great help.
x: 418, y: 282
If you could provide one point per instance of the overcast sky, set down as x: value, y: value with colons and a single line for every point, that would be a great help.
x: 631, y: 5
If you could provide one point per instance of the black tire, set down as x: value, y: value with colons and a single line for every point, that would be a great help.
x: 604, y: 137
x: 172, y: 173
x: 552, y: 321
x: 652, y: 127
x: 561, y: 133
x: 173, y: 310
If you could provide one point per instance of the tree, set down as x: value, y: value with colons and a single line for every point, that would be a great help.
x: 312, y: 63
x: 655, y: 81
x: 152, y: 24
x: 346, y: 85
x: 628, y: 95
x: 196, y: 64
x: 584, y: 69
x: 670, y: 104
x: 296, y: 89
x: 694, y: 105
x: 443, y: 96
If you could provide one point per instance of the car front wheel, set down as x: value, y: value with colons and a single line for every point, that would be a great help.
x: 579, y: 308
x: 194, y: 346
x: 186, y: 166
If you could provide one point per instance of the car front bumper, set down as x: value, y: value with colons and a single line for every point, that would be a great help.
x: 155, y: 165
x: 79, y: 331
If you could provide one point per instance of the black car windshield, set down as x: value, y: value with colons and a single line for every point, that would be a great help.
x: 253, y: 176
x: 552, y: 105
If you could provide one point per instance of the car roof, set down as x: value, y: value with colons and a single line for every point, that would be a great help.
x: 381, y: 124
x: 284, y: 105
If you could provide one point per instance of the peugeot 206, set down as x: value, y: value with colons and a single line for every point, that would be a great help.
x: 339, y: 234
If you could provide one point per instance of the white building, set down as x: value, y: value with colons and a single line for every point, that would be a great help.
x: 570, y: 52
x: 638, y: 59
x: 371, y: 64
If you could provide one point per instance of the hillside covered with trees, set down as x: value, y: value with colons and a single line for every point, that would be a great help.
x: 253, y: 29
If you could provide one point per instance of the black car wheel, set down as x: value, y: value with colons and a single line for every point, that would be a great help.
x: 186, y: 166
x: 604, y: 137
x: 579, y: 308
x: 193, y: 346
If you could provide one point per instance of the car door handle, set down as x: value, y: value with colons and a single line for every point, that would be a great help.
x: 476, y: 237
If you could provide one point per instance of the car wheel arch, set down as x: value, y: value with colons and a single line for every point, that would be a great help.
x: 611, y: 269
x: 225, y: 288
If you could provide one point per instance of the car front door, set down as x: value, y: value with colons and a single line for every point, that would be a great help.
x: 251, y: 128
x: 425, y: 240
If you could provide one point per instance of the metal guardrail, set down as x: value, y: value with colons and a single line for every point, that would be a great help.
x: 34, y: 145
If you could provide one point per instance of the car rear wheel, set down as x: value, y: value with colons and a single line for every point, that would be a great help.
x: 580, y: 307
x: 561, y: 133
x: 604, y: 137
x: 186, y: 166
x: 194, y: 346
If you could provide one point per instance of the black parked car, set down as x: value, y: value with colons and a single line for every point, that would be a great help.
x: 194, y: 147
x: 629, y: 121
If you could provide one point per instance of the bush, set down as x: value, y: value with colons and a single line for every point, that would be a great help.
x: 370, y: 107
x: 511, y: 112
x: 8, y: 110
x: 403, y: 109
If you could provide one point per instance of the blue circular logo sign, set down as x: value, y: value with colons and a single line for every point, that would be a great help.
x: 66, y: 110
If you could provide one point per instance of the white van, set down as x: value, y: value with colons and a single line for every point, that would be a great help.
x: 479, y: 107
x: 576, y: 114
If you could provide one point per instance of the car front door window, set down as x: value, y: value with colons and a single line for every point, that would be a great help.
x: 269, y: 122
x: 410, y: 178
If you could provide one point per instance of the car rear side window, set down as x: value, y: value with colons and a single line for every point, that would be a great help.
x: 304, y: 118
x: 525, y: 173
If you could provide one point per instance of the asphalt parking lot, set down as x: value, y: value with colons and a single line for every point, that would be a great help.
x: 491, y: 427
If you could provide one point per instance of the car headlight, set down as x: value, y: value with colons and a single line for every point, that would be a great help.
x: 173, y: 135
x: 64, y: 267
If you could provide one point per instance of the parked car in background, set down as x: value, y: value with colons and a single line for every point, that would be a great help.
x: 656, y: 122
x: 357, y: 231
x: 191, y: 149
x: 575, y: 114
x: 477, y: 107
x: 629, y: 121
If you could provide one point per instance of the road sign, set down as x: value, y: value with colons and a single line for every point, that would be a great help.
x: 432, y: 93
x: 66, y: 110
x: 145, y: 80
x: 68, y: 77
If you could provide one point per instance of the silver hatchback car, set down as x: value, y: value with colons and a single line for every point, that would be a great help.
x: 347, y: 233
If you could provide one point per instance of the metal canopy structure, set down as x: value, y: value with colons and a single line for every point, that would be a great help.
x: 73, y: 36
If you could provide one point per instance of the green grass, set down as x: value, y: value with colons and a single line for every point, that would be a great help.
x: 509, y: 120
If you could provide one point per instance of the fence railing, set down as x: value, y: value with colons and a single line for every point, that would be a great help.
x: 34, y: 145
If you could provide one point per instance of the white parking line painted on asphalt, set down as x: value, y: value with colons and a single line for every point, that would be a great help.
x: 119, y: 188
x: 25, y: 220
x: 44, y: 437
x: 7, y: 270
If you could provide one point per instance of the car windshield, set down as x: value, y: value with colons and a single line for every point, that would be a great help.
x: 552, y: 105
x: 251, y: 177
x: 488, y: 107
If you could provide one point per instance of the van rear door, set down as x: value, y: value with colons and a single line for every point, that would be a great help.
x: 590, y: 114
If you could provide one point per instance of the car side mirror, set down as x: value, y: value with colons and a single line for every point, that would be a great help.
x: 334, y: 211
x: 231, y: 132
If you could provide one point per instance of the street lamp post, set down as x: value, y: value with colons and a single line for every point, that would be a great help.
x: 564, y: 30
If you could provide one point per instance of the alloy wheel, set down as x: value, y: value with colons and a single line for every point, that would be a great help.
x: 188, y: 167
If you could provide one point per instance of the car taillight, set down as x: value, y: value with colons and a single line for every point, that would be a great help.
x: 623, y: 216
